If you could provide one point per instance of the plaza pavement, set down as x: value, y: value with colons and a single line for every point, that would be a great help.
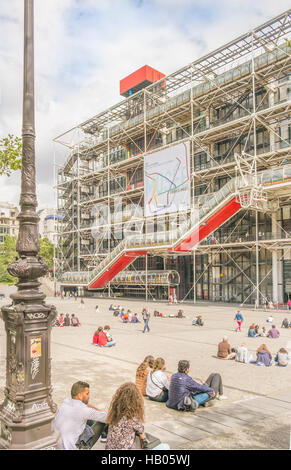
x: 257, y: 411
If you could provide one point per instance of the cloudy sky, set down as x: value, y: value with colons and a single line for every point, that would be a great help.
x: 84, y: 47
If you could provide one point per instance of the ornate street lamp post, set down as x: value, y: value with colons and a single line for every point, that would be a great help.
x: 28, y: 409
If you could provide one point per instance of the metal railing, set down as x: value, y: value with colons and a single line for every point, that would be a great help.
x: 206, y: 205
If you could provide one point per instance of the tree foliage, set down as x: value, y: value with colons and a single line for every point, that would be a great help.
x: 10, y: 154
x: 8, y: 254
x: 47, y: 251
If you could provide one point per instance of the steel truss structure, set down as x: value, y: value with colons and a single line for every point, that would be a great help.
x: 233, y: 106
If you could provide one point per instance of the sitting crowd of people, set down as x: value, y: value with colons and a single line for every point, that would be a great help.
x: 179, y: 391
x: 102, y: 337
x: 125, y: 316
x: 80, y: 424
x: 255, y: 330
x: 241, y: 354
x: 197, y: 321
x: 129, y: 317
x: 63, y: 320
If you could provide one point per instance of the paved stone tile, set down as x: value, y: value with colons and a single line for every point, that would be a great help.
x: 267, y: 410
x: 284, y: 396
x: 225, y: 419
x: 166, y: 436
x: 267, y: 406
x: 279, y: 403
x: 205, y: 424
x: 244, y: 414
x: 182, y: 430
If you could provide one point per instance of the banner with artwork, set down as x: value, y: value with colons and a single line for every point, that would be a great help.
x: 167, y: 187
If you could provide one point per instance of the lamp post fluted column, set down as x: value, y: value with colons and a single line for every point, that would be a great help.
x: 28, y: 409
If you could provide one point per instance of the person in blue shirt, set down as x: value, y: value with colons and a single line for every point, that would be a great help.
x: 252, y: 331
x: 239, y: 319
x: 186, y: 394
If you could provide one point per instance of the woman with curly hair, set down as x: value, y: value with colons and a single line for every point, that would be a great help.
x: 142, y: 372
x: 157, y: 382
x: 125, y: 419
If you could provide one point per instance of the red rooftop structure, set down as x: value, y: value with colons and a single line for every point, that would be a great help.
x: 138, y: 80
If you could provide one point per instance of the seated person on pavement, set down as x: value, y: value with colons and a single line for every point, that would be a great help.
x: 157, y: 382
x: 187, y: 394
x: 79, y: 424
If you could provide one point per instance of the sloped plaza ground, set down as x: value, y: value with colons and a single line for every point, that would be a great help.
x: 257, y: 411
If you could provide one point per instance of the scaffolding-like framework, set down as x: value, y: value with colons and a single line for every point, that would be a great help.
x: 233, y: 106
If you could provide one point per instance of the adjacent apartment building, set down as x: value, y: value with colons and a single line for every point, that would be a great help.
x: 8, y: 222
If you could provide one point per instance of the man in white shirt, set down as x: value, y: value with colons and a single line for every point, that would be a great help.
x: 79, y: 424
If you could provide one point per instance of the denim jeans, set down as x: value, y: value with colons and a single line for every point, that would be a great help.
x: 161, y: 398
x: 258, y: 363
x: 91, y: 434
x: 146, y: 325
x: 109, y: 343
x: 162, y: 447
x: 201, y: 398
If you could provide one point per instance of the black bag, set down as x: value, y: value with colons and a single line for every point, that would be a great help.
x: 150, y: 442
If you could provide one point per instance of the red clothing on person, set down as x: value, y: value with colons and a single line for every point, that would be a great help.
x: 102, y: 339
x: 95, y: 339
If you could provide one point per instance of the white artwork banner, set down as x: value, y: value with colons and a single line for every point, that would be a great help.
x: 167, y: 187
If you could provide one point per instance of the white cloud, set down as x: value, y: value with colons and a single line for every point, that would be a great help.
x: 83, y: 48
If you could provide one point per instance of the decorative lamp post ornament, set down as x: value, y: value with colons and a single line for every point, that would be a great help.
x: 28, y: 409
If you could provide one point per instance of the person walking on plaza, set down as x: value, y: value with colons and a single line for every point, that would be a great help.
x: 239, y: 319
x: 80, y: 425
x: 146, y: 317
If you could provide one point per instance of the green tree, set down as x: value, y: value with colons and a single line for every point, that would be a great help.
x: 10, y: 154
x: 47, y: 251
x: 7, y: 255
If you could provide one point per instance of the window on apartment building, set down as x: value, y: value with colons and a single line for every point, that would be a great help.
x: 200, y: 161
x: 200, y: 190
x: 103, y: 189
x: 137, y: 176
x: 220, y: 182
x: 284, y: 132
